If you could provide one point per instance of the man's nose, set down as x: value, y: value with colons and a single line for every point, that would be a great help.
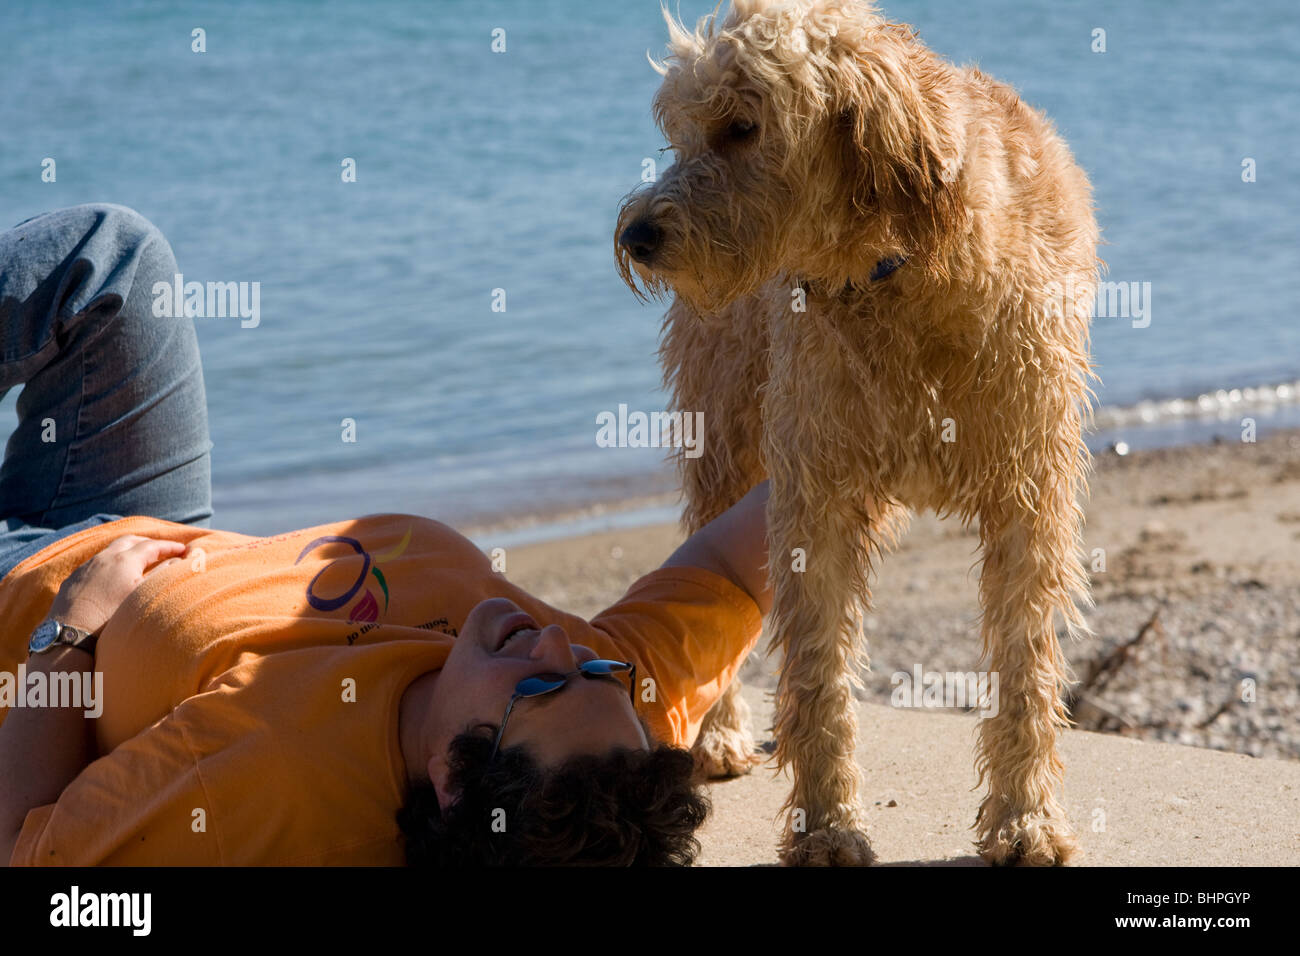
x: 554, y: 650
x: 642, y: 240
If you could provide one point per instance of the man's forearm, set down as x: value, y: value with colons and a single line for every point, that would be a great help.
x: 42, y: 749
x: 734, y: 544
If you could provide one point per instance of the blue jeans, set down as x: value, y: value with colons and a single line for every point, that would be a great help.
x: 112, y: 420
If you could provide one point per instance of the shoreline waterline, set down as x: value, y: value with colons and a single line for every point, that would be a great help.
x: 641, y: 499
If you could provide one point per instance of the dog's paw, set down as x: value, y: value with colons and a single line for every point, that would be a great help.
x: 1033, y: 840
x: 829, y: 847
x: 724, y: 752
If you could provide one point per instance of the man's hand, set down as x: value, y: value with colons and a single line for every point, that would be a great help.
x: 93, y: 593
x: 734, y: 545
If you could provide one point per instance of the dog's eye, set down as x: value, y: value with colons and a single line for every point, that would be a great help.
x: 740, y: 131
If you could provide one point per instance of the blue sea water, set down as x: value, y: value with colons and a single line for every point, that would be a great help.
x: 479, y: 170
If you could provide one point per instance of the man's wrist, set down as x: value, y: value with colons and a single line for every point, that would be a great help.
x: 76, y: 614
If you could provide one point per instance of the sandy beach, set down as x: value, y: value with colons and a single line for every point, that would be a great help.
x: 1198, y: 605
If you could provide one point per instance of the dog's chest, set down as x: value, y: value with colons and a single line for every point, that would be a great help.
x: 886, y: 371
x: 900, y: 397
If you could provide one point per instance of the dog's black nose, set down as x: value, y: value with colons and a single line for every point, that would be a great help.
x: 641, y: 240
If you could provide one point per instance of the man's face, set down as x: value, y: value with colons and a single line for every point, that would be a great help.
x: 499, y: 646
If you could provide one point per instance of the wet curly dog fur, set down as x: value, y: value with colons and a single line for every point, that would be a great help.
x: 882, y: 269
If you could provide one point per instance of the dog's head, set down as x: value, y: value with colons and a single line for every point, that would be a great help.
x: 811, y: 137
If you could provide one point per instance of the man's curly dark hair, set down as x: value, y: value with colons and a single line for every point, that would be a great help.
x: 624, y: 808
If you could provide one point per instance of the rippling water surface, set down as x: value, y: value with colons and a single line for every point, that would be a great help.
x: 479, y: 171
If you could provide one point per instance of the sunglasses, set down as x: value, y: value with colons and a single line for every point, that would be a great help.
x: 541, y: 684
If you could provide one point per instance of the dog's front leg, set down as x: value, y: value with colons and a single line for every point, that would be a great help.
x: 1031, y: 570
x: 818, y: 530
x: 817, y: 576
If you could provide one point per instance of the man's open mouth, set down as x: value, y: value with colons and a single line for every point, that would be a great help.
x: 512, y: 628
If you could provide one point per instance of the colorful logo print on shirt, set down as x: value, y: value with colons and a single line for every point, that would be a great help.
x: 367, y: 607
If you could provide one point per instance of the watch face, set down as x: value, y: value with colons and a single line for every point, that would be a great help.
x: 45, y: 634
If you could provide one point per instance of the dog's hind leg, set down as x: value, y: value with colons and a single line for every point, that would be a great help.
x: 1031, y: 571
x: 718, y: 368
x: 725, y: 745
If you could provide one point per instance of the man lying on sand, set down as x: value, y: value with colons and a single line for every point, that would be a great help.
x: 366, y: 692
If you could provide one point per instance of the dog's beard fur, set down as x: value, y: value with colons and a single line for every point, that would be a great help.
x: 721, y: 239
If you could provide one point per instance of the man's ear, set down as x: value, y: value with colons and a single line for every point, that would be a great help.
x: 439, y: 774
x: 902, y: 146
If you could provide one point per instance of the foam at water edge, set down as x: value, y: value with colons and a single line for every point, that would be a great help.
x: 1219, y: 404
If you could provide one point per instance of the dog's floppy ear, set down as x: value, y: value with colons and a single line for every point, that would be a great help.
x: 901, y: 142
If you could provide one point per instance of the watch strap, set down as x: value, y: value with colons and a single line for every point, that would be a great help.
x: 70, y: 636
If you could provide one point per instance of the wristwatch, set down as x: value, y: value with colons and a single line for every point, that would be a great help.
x: 50, y: 634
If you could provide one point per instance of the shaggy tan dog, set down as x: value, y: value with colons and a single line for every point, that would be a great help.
x: 883, y: 269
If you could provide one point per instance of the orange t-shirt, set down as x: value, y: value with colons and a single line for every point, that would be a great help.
x: 251, y: 690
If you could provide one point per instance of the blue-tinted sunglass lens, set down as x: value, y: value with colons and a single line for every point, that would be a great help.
x: 602, y: 667
x: 533, y: 686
